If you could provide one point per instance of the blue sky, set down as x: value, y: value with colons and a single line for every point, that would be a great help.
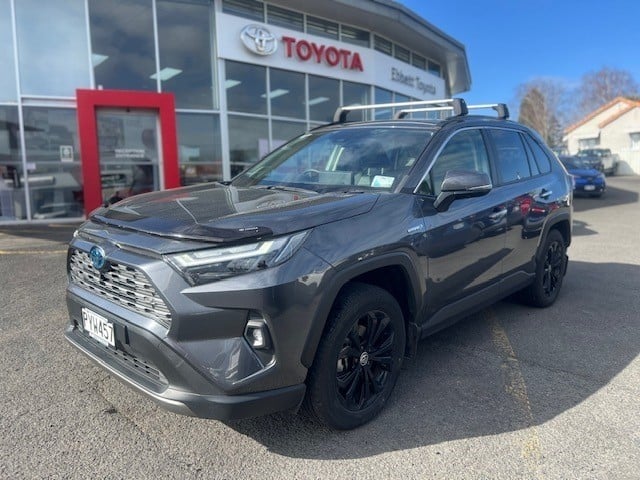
x: 510, y: 42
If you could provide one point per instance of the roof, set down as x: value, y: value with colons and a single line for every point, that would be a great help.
x: 399, y: 24
x: 631, y: 104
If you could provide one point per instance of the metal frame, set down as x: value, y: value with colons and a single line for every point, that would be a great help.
x: 457, y: 105
x: 501, y: 109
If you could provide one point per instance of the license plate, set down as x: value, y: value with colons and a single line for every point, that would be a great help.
x: 98, y: 327
x: 589, y: 188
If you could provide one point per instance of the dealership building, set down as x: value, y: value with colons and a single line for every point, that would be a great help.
x: 102, y: 99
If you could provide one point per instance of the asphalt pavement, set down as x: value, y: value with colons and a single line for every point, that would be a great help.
x: 511, y: 392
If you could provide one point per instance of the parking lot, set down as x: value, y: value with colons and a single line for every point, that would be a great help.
x: 510, y: 392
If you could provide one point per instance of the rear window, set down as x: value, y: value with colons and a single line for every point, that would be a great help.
x: 512, y: 163
x: 541, y: 159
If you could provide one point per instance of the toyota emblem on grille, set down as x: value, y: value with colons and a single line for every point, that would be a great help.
x: 259, y: 40
x: 98, y: 257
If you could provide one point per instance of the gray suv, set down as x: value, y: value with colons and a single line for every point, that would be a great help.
x: 309, y: 278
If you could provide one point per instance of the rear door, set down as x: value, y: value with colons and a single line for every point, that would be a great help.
x: 524, y: 181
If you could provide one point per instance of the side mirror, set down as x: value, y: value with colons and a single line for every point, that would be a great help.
x: 461, y: 184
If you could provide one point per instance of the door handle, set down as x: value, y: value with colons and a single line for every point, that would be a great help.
x: 544, y: 194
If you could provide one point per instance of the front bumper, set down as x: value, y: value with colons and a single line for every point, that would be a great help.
x: 201, y: 364
x: 221, y: 407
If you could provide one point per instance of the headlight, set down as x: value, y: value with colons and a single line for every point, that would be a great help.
x: 204, y: 266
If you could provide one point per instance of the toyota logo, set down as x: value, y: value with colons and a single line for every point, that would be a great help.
x: 259, y: 40
x: 97, y: 256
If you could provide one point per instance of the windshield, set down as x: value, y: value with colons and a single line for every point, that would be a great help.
x: 574, y: 163
x: 366, y: 158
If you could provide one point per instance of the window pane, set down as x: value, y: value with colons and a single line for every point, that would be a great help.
x: 383, y: 45
x: 322, y: 28
x: 184, y: 34
x: 199, y: 148
x: 383, y: 96
x: 287, y: 94
x: 55, y: 182
x: 512, y: 161
x: 542, y: 160
x: 418, y: 61
x: 244, y: 8
x: 52, y: 47
x: 245, y: 86
x: 398, y: 98
x: 12, y: 199
x: 324, y: 98
x: 435, y: 68
x: 122, y: 45
x: 356, y: 94
x: 464, y: 151
x: 285, y: 18
x: 7, y: 72
x: 355, y: 36
x: 282, y: 132
x: 248, y: 142
x: 401, y: 53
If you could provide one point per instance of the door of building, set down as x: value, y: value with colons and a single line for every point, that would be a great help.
x: 128, y: 144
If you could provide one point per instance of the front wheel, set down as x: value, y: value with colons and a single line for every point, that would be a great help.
x: 358, y: 359
x: 550, y: 270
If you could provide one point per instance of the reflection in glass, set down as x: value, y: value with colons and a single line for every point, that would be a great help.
x: 12, y: 199
x: 122, y: 45
x: 52, y: 47
x: 53, y: 163
x: 287, y: 93
x: 383, y: 96
x: 129, y: 154
x: 7, y: 72
x: 245, y: 85
x: 356, y: 94
x: 282, y: 132
x: 248, y: 142
x: 184, y: 33
x: 199, y: 148
x: 324, y: 98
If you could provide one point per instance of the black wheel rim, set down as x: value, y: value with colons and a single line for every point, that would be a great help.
x: 365, y: 360
x: 552, y: 273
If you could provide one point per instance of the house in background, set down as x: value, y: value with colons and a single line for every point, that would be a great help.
x: 616, y: 126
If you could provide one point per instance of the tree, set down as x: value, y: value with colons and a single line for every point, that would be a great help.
x: 543, y: 108
x: 599, y: 88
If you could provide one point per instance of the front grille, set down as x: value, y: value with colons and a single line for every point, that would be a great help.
x: 135, y: 364
x: 122, y: 285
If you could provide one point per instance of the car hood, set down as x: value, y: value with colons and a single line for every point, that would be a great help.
x: 584, y: 172
x: 218, y: 213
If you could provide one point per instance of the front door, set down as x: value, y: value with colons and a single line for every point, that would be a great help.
x: 130, y: 154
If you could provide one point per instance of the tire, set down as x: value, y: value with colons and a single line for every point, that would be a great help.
x: 358, y: 359
x: 550, y: 269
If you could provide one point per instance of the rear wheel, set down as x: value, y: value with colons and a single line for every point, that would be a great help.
x: 550, y: 270
x: 358, y: 359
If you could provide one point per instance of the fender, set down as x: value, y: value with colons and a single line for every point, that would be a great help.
x: 339, y: 278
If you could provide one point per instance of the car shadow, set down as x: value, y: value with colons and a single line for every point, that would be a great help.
x: 616, y: 194
x: 581, y: 228
x: 54, y: 232
x: 506, y: 369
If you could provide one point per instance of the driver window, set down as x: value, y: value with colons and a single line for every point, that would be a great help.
x: 464, y: 151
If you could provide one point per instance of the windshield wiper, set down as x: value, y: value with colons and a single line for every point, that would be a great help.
x: 284, y: 188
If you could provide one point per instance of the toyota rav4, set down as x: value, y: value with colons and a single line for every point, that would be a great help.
x: 309, y: 278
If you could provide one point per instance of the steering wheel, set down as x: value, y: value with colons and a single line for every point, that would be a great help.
x: 309, y: 175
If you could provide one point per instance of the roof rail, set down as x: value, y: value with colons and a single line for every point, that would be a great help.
x: 501, y: 108
x: 457, y: 105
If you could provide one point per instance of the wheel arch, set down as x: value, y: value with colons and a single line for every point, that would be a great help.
x: 393, y: 272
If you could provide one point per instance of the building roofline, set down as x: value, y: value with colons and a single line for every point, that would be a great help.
x: 390, y: 19
x: 595, y: 113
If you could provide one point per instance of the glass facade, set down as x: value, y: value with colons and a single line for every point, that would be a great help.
x: 52, y: 47
x: 229, y: 113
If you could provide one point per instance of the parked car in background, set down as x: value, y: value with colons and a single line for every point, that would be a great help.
x: 587, y: 180
x: 309, y: 277
x: 601, y: 159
